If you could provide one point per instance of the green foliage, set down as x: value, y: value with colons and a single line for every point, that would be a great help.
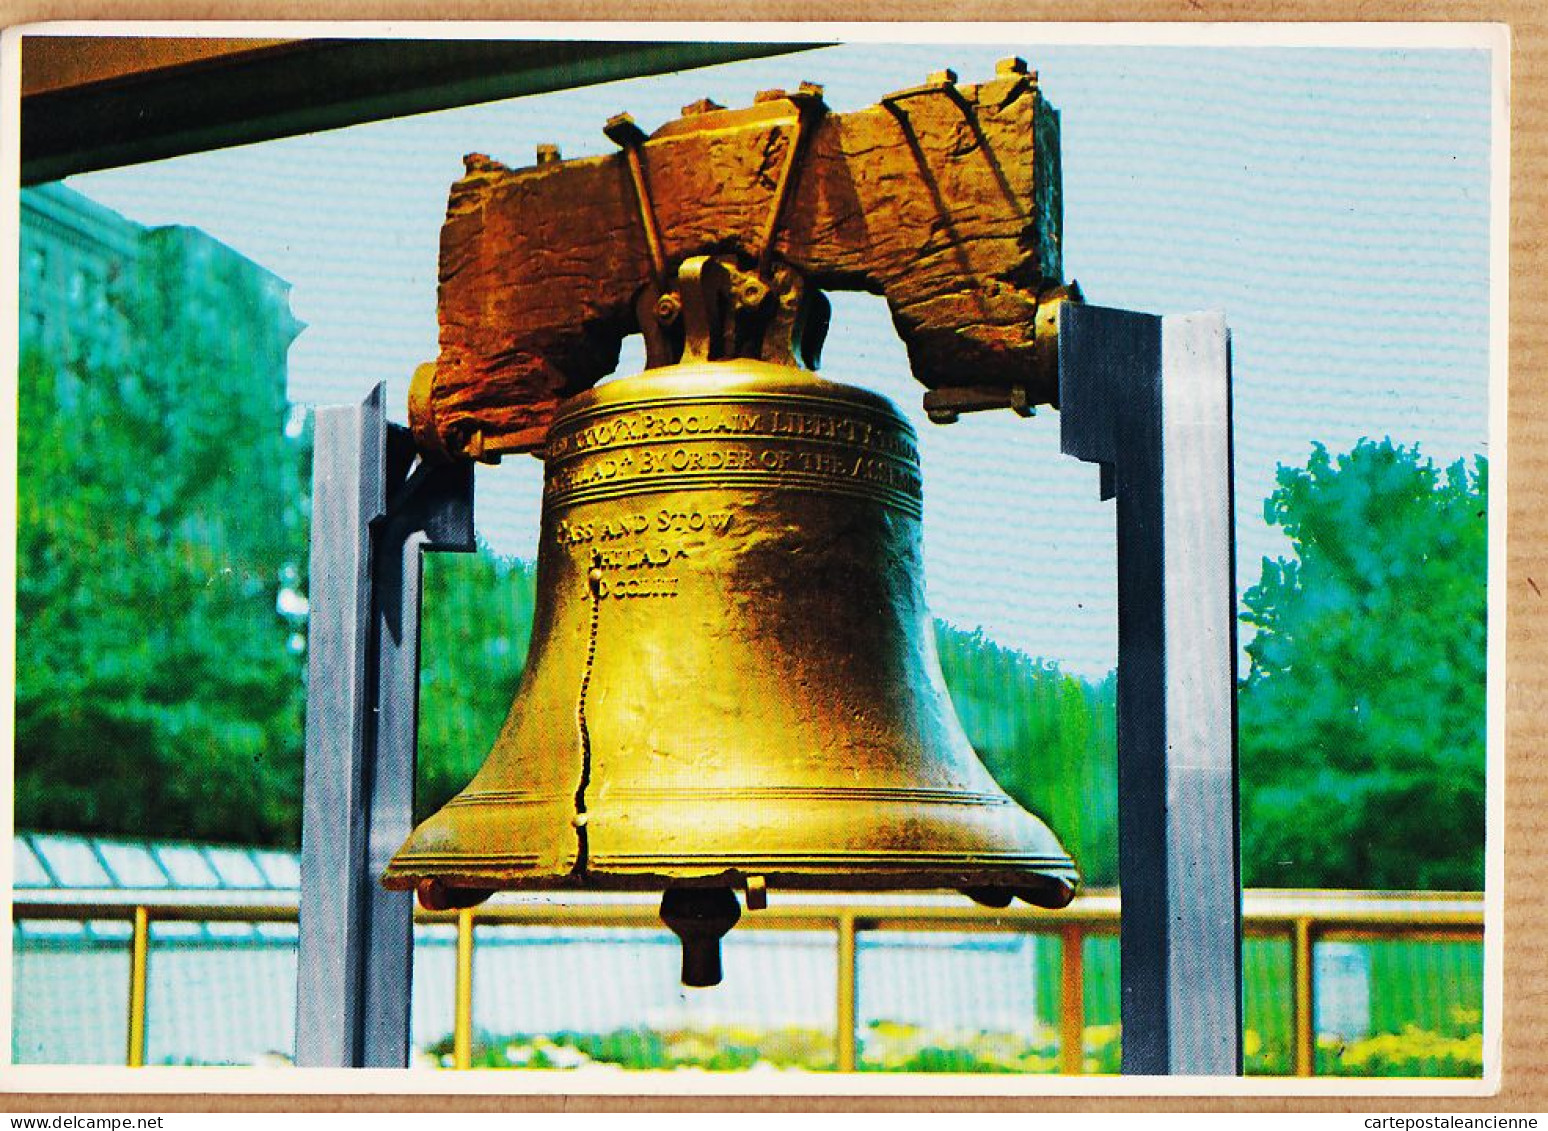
x: 1048, y: 738
x: 716, y: 1048
x: 1432, y: 986
x: 1362, y: 718
x: 160, y: 511
x: 890, y: 1046
x: 1413, y: 1052
x: 473, y: 646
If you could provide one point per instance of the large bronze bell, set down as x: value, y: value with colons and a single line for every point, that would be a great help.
x: 732, y: 681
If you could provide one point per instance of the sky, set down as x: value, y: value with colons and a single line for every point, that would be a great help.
x: 1333, y: 202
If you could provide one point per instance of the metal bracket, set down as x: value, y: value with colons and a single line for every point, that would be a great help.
x: 809, y: 106
x: 1149, y: 399
x: 945, y: 406
x: 623, y: 132
x: 374, y: 511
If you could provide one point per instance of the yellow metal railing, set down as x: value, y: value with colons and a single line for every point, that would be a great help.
x: 139, y: 965
x: 462, y: 1023
x: 1302, y: 918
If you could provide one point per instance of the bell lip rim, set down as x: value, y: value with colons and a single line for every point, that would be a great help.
x: 1053, y: 892
x: 619, y: 392
x: 1056, y: 879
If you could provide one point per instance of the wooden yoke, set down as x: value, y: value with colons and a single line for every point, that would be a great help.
x: 943, y: 198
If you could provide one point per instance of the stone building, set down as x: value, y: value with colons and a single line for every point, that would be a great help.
x: 78, y: 264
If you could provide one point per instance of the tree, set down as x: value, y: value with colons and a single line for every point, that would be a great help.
x: 473, y: 647
x: 1049, y: 739
x: 161, y: 510
x: 1362, y: 716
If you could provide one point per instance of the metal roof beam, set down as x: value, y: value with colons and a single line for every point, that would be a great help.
x: 97, y: 102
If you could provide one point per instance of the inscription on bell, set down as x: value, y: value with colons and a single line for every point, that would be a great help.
x: 616, y: 528
x: 643, y: 427
x: 636, y: 428
x: 611, y: 452
x: 628, y: 587
x: 714, y: 465
x: 639, y: 557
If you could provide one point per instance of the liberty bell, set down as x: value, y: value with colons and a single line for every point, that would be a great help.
x: 732, y: 681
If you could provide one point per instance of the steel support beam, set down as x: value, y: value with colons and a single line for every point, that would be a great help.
x: 1148, y: 399
x: 348, y: 495
x: 373, y: 514
x: 94, y: 102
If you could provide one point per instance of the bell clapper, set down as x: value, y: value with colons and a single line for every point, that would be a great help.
x: 990, y: 897
x: 700, y: 917
x: 437, y: 896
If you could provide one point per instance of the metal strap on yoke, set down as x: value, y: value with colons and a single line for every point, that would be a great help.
x: 623, y: 131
